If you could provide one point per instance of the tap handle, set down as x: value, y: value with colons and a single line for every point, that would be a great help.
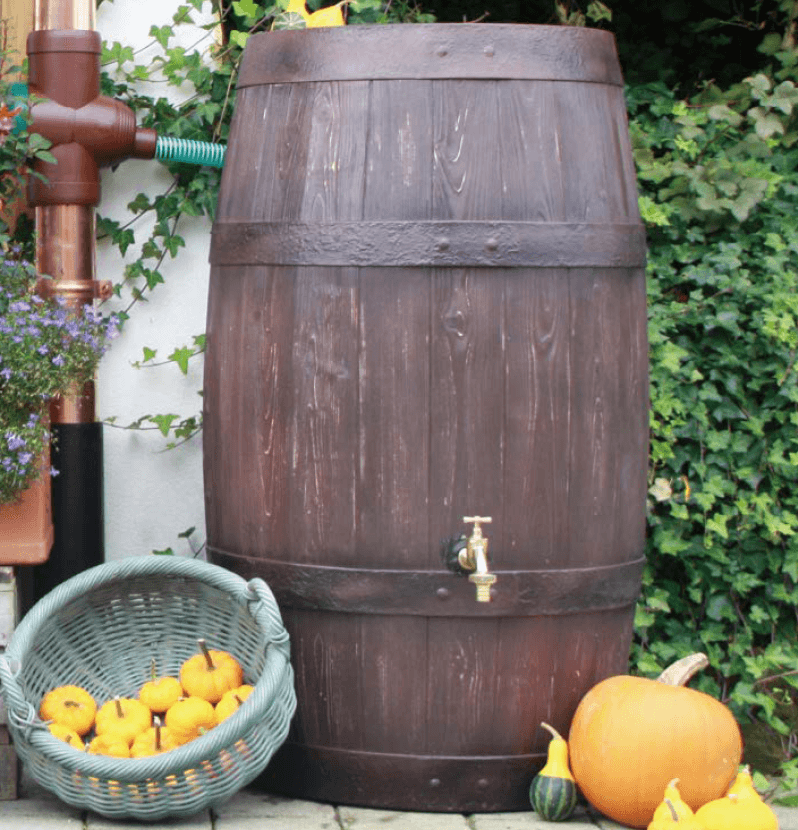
x: 477, y: 521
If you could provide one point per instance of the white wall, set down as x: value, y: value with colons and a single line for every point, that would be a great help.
x: 151, y: 495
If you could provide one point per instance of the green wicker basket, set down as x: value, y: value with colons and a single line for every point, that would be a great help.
x: 100, y: 630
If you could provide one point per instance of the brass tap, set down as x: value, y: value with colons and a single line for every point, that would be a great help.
x: 474, y: 557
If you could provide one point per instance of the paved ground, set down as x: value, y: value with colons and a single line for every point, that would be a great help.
x: 37, y: 809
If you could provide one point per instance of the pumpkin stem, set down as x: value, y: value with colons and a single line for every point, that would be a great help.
x: 153, y: 673
x: 120, y: 712
x: 680, y: 672
x: 673, y: 810
x: 673, y: 783
x: 238, y: 700
x: 554, y: 733
x: 158, y: 733
x: 206, y: 653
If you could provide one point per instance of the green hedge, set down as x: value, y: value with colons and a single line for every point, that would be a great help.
x: 718, y: 186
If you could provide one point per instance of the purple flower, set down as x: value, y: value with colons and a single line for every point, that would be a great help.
x: 6, y: 373
x: 58, y: 360
x: 15, y: 441
x: 54, y: 472
x: 25, y: 458
x: 42, y: 349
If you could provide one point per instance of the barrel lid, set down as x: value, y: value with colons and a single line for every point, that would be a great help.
x: 430, y: 51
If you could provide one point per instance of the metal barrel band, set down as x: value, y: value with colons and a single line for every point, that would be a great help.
x: 402, y: 244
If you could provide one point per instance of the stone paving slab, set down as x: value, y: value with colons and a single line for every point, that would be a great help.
x: 363, y: 818
x: 530, y: 820
x: 251, y: 810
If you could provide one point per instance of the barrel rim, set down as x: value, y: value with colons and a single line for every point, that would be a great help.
x: 432, y: 51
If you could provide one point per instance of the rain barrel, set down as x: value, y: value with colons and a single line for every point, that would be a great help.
x: 427, y: 302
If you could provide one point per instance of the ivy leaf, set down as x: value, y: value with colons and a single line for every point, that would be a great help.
x: 163, y: 422
x: 181, y: 357
x: 161, y: 34
x: 239, y: 38
x: 246, y: 8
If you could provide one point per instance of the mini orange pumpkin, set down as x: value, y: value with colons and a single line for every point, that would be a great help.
x: 210, y: 674
x: 630, y: 736
x: 189, y: 718
x: 231, y: 701
x: 109, y: 744
x: 153, y: 741
x: 159, y: 693
x: 123, y: 716
x: 71, y: 706
x: 66, y: 734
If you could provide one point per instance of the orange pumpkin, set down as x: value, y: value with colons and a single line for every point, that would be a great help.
x: 631, y: 736
x: 210, y: 674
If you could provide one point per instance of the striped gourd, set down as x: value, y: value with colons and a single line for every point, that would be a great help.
x: 552, y: 793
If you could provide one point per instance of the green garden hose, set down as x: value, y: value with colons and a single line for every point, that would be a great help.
x: 192, y: 152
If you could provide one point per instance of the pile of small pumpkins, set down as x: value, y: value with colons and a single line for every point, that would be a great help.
x: 167, y: 713
x: 632, y: 739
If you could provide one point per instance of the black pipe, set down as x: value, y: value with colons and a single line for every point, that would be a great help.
x: 77, y: 493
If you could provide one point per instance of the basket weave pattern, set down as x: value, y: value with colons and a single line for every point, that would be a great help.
x: 101, y: 630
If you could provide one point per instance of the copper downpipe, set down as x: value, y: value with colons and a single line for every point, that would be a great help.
x: 64, y: 14
x: 65, y: 249
x: 65, y: 233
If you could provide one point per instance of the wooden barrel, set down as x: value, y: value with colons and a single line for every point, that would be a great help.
x: 427, y: 301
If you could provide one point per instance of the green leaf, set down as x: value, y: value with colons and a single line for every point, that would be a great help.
x: 162, y: 34
x: 239, y: 38
x: 181, y: 356
x: 163, y: 422
x: 246, y: 8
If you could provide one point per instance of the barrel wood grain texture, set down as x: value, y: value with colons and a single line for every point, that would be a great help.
x: 356, y: 411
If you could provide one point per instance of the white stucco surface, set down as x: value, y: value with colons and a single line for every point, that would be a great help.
x: 151, y: 495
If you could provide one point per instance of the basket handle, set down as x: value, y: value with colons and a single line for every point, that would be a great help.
x: 18, y: 708
x: 263, y: 607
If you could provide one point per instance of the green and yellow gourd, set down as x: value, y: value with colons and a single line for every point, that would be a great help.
x: 552, y: 793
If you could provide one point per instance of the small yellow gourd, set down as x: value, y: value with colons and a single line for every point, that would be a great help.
x: 159, y: 693
x: 111, y: 744
x: 669, y: 819
x: 71, y: 706
x: 125, y: 717
x: 552, y: 792
x: 153, y: 741
x: 66, y: 734
x: 330, y: 16
x: 231, y: 701
x: 189, y: 718
x: 743, y: 785
x: 672, y: 800
x: 210, y: 674
x: 735, y: 812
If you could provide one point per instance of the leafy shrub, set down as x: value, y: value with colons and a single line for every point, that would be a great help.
x: 718, y: 186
